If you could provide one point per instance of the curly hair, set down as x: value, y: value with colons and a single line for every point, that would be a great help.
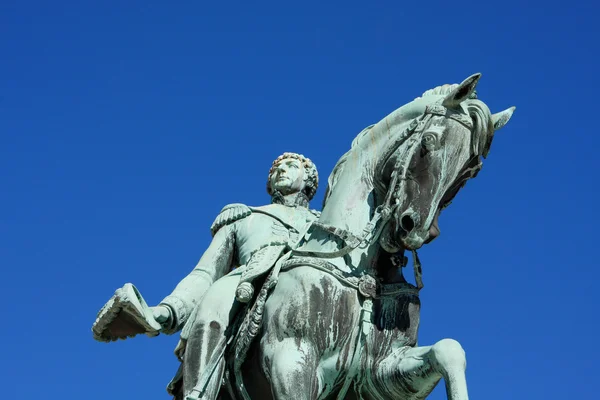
x: 312, y: 181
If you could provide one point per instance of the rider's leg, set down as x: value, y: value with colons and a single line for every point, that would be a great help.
x: 206, y: 336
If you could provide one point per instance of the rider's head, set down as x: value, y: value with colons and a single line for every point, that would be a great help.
x: 293, y: 173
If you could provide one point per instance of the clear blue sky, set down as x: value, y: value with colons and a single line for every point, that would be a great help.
x: 125, y: 126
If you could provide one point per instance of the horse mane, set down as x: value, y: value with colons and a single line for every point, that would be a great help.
x: 442, y: 90
x: 483, y: 127
x: 339, y: 166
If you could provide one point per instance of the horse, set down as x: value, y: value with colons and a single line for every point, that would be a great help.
x: 340, y: 321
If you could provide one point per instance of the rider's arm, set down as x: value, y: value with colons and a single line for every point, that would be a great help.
x: 216, y: 262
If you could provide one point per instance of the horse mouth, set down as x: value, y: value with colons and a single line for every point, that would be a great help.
x: 388, y: 240
x: 412, y: 242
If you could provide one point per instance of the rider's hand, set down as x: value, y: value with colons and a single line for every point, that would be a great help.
x: 162, y: 314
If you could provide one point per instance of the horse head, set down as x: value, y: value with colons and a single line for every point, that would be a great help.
x: 441, y: 150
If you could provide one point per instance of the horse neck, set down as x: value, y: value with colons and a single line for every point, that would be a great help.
x: 350, y: 204
x: 352, y: 201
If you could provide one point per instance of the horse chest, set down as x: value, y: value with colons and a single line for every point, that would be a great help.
x: 394, y: 324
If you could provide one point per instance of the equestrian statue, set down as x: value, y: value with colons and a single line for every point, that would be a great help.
x: 293, y: 304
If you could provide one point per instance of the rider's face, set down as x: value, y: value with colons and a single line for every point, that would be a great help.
x: 288, y: 176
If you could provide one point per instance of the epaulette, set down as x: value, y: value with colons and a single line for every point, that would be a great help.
x: 229, y: 214
x: 315, y: 213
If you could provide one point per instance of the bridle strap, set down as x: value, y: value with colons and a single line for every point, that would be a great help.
x: 382, y: 214
x: 369, y: 234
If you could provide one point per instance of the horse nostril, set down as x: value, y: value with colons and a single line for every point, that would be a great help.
x: 407, y: 223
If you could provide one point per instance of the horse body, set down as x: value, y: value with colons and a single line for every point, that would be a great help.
x: 346, y: 327
x: 315, y: 321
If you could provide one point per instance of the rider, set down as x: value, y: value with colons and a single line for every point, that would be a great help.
x: 251, y: 238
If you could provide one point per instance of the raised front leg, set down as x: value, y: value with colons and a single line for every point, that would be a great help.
x: 449, y: 359
x: 412, y: 373
x: 309, y: 318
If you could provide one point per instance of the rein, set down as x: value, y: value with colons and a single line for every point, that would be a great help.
x: 369, y: 234
x: 382, y: 214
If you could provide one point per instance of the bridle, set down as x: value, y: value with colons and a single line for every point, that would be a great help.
x: 412, y: 137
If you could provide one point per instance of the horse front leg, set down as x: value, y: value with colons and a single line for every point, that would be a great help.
x: 290, y: 353
x: 291, y: 368
x: 449, y: 359
x: 414, y: 373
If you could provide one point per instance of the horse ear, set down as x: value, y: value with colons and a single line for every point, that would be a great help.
x: 461, y: 92
x: 500, y: 119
